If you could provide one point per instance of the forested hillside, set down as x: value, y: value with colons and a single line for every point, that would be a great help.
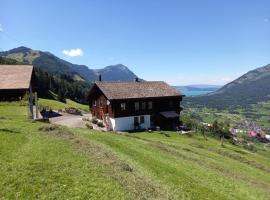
x: 61, y: 87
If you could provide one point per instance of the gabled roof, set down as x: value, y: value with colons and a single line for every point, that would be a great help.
x: 133, y: 90
x: 15, y: 76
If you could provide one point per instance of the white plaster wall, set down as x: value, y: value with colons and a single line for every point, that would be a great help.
x: 127, y: 123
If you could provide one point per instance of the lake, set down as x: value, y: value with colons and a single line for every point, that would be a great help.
x: 193, y: 91
x: 196, y: 92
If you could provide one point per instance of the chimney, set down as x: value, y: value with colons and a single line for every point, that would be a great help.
x: 99, y: 77
x: 136, y: 79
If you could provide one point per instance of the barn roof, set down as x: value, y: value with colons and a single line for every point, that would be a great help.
x: 15, y: 76
x: 128, y: 90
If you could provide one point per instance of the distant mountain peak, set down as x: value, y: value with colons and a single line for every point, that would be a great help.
x: 117, y: 66
x: 21, y: 49
x: 118, y: 72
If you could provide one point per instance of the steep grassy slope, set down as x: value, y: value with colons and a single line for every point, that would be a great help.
x: 56, y: 105
x: 46, y: 162
x: 37, y: 166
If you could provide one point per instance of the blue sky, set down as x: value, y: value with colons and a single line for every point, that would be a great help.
x: 181, y: 42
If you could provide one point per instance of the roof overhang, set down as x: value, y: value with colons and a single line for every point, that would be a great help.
x: 169, y: 114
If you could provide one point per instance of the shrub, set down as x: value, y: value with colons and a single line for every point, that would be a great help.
x: 94, y: 120
x: 190, y: 122
x: 100, y: 124
x: 90, y: 126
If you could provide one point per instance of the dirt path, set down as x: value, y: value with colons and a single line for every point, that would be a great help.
x: 72, y: 121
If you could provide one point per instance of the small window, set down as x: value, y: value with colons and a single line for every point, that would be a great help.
x: 143, y: 105
x: 141, y: 119
x: 150, y: 105
x: 123, y: 106
x: 94, y: 102
x: 136, y: 121
x: 137, y: 106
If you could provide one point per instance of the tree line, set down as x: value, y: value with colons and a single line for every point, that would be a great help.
x: 60, y: 86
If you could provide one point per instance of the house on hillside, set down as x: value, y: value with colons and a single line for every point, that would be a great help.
x: 124, y: 106
x: 15, y: 82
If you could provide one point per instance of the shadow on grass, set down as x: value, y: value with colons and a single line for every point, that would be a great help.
x: 9, y: 130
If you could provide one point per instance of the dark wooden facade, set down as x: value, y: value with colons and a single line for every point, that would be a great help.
x: 153, y: 106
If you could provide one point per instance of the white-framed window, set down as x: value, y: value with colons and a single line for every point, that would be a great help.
x: 137, y: 106
x: 143, y: 105
x: 94, y: 102
x: 123, y: 106
x: 150, y: 105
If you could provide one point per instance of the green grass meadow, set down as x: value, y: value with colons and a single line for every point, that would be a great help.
x: 42, y: 161
x: 56, y: 105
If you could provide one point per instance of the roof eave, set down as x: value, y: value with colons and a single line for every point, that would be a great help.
x: 115, y: 99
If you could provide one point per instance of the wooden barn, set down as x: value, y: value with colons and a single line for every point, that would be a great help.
x: 16, y: 81
x: 135, y: 105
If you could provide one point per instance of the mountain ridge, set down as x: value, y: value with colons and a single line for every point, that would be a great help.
x: 52, y: 64
x: 250, y: 88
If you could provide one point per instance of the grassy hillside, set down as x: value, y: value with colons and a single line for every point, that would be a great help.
x: 41, y: 161
x: 56, y: 105
x: 37, y: 166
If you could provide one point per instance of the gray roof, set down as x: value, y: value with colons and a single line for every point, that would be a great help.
x: 15, y: 76
x: 133, y: 90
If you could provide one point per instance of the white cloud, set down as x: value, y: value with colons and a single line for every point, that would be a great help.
x: 73, y: 52
x: 266, y: 20
x: 1, y: 28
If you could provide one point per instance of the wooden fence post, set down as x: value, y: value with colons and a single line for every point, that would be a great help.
x: 31, y: 103
x: 36, y: 104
